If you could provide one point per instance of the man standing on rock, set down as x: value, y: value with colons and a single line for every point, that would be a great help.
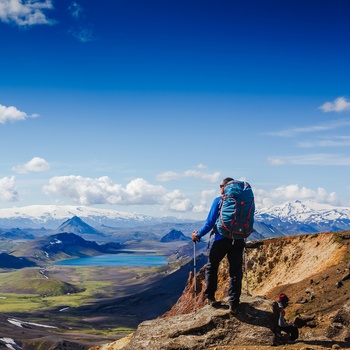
x: 219, y: 247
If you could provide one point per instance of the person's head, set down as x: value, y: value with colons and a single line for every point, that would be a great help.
x: 283, y: 299
x: 224, y: 182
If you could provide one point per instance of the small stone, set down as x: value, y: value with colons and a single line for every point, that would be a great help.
x: 339, y: 284
x: 346, y: 277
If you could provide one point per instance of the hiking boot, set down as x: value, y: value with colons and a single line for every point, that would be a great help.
x: 233, y: 310
x: 212, y: 302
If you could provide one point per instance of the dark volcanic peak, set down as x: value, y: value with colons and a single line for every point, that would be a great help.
x: 68, y: 242
x: 174, y: 235
x: 78, y: 226
x: 59, y: 246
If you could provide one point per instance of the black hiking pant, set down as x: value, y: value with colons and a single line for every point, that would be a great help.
x: 292, y: 331
x: 234, y: 252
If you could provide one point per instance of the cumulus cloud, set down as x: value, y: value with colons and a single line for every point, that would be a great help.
x: 36, y: 164
x: 311, y: 159
x: 176, y: 201
x: 196, y: 174
x: 89, y: 191
x: 12, y: 114
x: 25, y: 13
x: 340, y: 104
x: 8, y: 190
x: 293, y: 192
x: 205, y: 201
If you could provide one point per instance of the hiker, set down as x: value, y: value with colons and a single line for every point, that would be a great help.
x: 219, y: 247
x: 287, y: 327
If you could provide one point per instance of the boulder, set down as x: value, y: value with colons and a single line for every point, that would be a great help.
x: 253, y: 325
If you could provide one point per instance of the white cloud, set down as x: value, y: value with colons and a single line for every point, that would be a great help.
x: 336, y: 124
x: 75, y: 10
x: 276, y: 161
x: 82, y: 34
x: 176, y: 201
x: 88, y: 191
x: 168, y: 176
x: 267, y: 198
x: 36, y: 164
x: 311, y: 159
x: 337, y: 141
x: 340, y: 104
x: 205, y: 202
x: 196, y: 174
x: 12, y: 114
x: 8, y: 190
x: 293, y: 192
x: 25, y: 13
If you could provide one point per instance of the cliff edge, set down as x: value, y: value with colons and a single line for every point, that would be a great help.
x: 313, y: 270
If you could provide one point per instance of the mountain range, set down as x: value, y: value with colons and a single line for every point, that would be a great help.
x: 51, y: 216
x: 289, y: 218
x: 305, y: 217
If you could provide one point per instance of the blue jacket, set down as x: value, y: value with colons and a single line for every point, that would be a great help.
x: 211, y: 220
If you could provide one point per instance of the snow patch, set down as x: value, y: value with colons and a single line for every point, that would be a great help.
x: 21, y: 323
x: 57, y: 241
x: 9, y: 342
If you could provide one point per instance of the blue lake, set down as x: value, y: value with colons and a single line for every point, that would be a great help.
x: 120, y: 259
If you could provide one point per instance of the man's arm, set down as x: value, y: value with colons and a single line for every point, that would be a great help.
x: 210, y: 222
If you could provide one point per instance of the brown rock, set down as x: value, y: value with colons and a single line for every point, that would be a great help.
x: 340, y: 326
x: 208, y: 327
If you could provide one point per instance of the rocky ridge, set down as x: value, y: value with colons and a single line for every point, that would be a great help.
x: 314, y: 270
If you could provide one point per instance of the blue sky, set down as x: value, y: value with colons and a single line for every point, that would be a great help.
x: 144, y: 106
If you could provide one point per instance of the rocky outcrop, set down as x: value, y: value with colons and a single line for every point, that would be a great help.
x: 253, y: 326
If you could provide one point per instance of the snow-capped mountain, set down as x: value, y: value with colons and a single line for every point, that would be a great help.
x: 289, y: 218
x: 305, y: 217
x: 51, y: 216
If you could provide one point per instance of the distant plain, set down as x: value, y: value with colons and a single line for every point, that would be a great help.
x: 87, y: 298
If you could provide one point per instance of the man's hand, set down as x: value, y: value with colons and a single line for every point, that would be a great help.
x: 195, y: 237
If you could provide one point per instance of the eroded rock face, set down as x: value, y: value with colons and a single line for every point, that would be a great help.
x: 253, y: 325
x: 340, y: 326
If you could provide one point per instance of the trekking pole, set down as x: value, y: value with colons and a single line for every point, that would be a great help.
x: 246, y: 266
x: 194, y: 278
